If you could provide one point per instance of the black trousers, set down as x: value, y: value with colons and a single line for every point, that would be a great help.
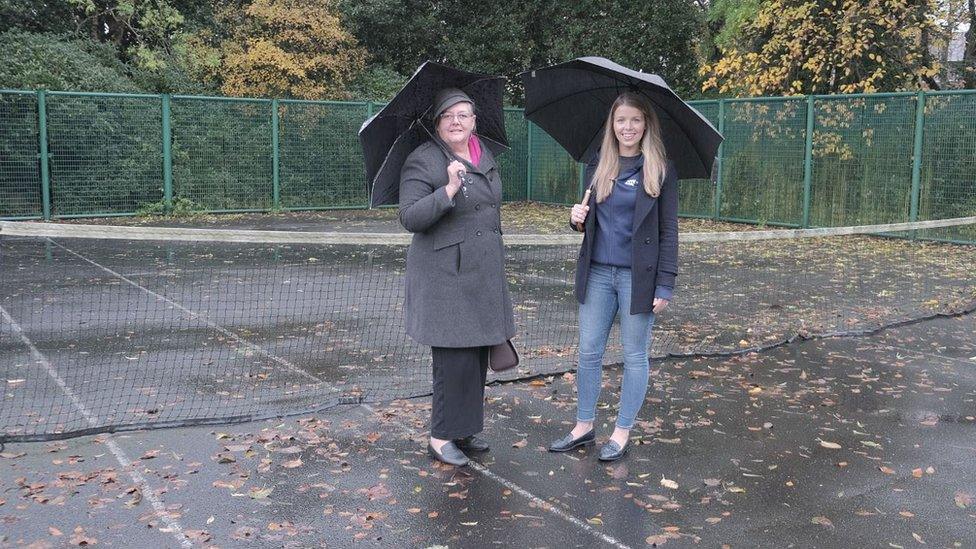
x: 459, y: 392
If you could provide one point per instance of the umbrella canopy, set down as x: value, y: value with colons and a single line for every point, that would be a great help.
x: 390, y: 135
x: 571, y: 100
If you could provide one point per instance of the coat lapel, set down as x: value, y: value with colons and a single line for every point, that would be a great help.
x: 643, y: 207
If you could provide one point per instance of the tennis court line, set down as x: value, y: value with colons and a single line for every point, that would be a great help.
x: 172, y: 524
x: 199, y: 316
x: 541, y: 503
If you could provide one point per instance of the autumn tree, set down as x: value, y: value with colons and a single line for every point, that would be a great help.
x: 281, y: 48
x: 828, y: 46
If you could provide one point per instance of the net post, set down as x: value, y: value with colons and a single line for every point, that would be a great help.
x: 808, y: 163
x: 167, y: 155
x: 528, y: 161
x: 275, y: 180
x: 719, y: 164
x: 44, y: 155
x: 917, y: 156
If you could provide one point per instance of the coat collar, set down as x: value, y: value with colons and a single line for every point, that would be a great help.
x: 642, y: 207
x: 487, y: 158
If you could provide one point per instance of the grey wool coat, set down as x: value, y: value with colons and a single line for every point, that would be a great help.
x: 456, y: 292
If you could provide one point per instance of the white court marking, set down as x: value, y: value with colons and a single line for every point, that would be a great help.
x: 545, y: 505
x: 172, y: 524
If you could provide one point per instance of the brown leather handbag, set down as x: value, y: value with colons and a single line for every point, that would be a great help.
x: 502, y: 357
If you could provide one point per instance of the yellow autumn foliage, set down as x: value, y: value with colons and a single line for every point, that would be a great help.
x: 797, y: 47
x: 289, y: 48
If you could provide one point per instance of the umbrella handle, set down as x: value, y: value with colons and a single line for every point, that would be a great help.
x: 586, y: 200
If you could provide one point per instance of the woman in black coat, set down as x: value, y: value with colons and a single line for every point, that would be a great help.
x: 627, y: 264
x: 457, y: 299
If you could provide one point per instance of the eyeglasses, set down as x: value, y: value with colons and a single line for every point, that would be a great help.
x: 460, y: 117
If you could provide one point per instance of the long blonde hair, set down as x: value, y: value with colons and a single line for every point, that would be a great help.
x: 651, y: 146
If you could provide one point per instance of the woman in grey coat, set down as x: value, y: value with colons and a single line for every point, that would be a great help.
x: 457, y: 299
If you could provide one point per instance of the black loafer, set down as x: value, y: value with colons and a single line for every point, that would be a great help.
x: 568, y: 443
x: 472, y: 443
x: 612, y: 451
x: 449, y: 454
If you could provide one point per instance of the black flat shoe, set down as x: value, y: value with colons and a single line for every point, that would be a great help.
x: 472, y: 443
x: 612, y: 451
x: 449, y: 454
x: 568, y: 443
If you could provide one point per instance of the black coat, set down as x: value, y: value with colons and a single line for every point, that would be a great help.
x: 456, y: 291
x: 654, y: 247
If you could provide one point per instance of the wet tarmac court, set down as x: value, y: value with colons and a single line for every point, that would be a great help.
x: 837, y: 442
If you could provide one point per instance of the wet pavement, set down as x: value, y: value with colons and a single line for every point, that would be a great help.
x: 825, y: 443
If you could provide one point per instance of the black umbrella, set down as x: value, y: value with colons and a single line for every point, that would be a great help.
x: 390, y: 135
x: 571, y: 100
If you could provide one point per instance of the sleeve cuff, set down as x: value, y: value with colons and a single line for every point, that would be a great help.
x: 446, y: 201
x: 663, y: 292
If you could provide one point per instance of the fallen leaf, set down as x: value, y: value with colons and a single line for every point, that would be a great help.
x: 668, y: 483
x: 291, y: 464
x: 963, y: 500
x: 712, y: 482
x: 259, y: 493
x: 80, y: 539
x: 886, y: 470
x: 918, y: 538
x: 596, y: 521
x: 12, y: 455
x: 520, y: 444
x: 822, y: 521
x: 54, y: 531
x: 831, y: 445
x: 917, y: 473
x: 380, y: 491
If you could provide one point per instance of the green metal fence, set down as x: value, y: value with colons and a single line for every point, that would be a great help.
x: 795, y: 161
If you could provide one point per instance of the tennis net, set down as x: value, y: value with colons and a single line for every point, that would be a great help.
x: 107, y: 328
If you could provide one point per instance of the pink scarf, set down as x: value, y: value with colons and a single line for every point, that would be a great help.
x: 474, y: 149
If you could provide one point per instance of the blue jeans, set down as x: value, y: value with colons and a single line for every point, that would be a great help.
x: 607, y: 292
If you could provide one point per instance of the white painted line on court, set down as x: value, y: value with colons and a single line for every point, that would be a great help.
x: 233, y: 336
x: 147, y: 492
x: 545, y: 505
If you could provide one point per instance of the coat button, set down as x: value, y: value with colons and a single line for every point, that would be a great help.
x: 650, y: 267
x: 479, y: 234
x: 477, y: 206
x: 494, y: 231
x: 492, y: 205
x: 647, y: 241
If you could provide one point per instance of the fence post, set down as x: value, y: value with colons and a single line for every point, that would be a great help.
x: 917, y: 156
x: 369, y: 184
x: 528, y: 161
x: 275, y: 180
x: 44, y: 156
x: 720, y: 163
x: 167, y: 156
x: 808, y: 163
